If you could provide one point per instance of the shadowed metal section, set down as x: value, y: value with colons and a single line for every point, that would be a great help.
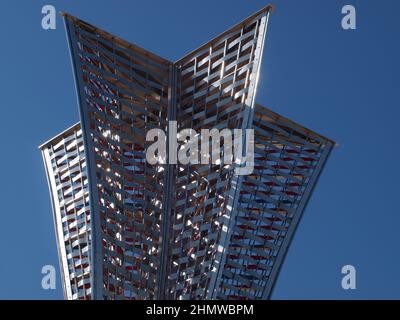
x: 288, y: 161
x: 123, y: 93
x: 168, y: 196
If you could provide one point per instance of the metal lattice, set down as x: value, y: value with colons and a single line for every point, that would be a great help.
x: 123, y: 92
x: 216, y: 85
x: 288, y: 161
x: 64, y: 159
x: 183, y: 231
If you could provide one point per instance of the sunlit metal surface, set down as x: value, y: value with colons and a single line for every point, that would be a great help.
x: 65, y: 164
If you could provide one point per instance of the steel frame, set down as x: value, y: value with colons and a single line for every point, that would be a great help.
x: 174, y: 231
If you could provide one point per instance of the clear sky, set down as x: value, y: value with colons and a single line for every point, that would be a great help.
x: 344, y: 84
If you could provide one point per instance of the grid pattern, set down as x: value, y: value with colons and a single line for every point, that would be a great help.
x: 288, y: 160
x: 124, y: 92
x: 215, y: 87
x: 65, y: 164
x: 177, y: 231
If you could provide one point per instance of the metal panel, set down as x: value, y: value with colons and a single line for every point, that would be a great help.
x: 123, y: 92
x: 288, y: 160
x: 65, y: 165
x: 216, y: 88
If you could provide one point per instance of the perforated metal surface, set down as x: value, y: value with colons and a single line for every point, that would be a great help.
x: 65, y: 164
x: 185, y: 231
x: 216, y: 84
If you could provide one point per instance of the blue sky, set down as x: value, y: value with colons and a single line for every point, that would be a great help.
x: 343, y: 84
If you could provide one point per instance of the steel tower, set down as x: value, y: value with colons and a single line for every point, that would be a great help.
x: 127, y: 229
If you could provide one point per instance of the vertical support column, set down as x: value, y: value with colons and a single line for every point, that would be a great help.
x: 168, y: 187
